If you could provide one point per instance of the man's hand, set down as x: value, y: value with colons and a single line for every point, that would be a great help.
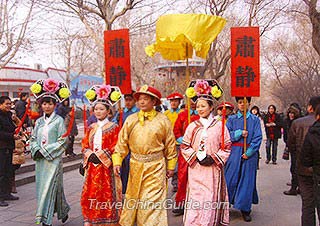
x: 116, y: 170
x: 244, y: 133
x: 170, y: 173
x: 244, y: 156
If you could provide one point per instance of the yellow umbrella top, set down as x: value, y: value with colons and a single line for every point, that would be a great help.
x: 175, y: 32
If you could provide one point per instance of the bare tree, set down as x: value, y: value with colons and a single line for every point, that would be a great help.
x: 80, y: 53
x: 105, y: 9
x: 295, y: 70
x: 13, y: 29
x: 314, y: 16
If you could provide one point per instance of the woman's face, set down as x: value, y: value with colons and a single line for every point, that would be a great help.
x: 291, y: 115
x: 100, y: 111
x: 203, y: 108
x: 254, y: 111
x: 271, y: 110
x: 48, y: 107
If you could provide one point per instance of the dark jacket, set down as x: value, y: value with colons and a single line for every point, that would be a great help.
x: 7, y: 128
x: 63, y: 110
x: 310, y: 153
x: 21, y: 107
x: 287, y: 122
x: 297, y: 133
x: 277, y: 128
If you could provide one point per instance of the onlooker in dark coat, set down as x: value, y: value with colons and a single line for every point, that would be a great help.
x: 7, y: 144
x: 297, y: 133
x: 273, y: 124
x: 292, y: 114
x: 310, y: 155
x: 21, y: 107
x: 64, y: 111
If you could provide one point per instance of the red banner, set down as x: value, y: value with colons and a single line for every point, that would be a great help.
x: 117, y: 55
x: 245, y: 61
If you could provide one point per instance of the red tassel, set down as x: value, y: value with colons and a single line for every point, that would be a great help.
x: 223, y: 124
x: 67, y: 133
x: 120, y: 118
x: 85, y: 123
x: 23, y: 118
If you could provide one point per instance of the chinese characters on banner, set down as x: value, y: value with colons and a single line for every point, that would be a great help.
x: 117, y: 55
x: 245, y: 61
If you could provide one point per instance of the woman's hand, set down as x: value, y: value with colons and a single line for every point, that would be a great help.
x: 116, y: 170
x: 170, y: 173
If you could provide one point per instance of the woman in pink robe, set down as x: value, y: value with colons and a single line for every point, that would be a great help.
x: 207, y: 197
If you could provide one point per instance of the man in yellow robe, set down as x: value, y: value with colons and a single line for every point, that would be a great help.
x: 148, y: 135
x: 172, y: 113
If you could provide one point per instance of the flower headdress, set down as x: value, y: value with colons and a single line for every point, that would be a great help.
x: 207, y: 89
x: 50, y: 88
x: 104, y: 94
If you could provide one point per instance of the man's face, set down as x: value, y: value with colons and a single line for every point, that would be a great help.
x: 6, y: 106
x: 192, y: 105
x: 228, y: 111
x: 174, y: 104
x: 241, y: 105
x: 129, y: 102
x: 145, y: 102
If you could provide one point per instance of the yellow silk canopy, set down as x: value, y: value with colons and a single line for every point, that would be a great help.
x: 175, y: 31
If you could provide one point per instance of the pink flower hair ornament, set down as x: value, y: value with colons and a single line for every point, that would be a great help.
x: 103, y: 91
x: 50, y: 85
x: 104, y: 94
x: 202, y: 87
x: 208, y: 89
x: 55, y: 89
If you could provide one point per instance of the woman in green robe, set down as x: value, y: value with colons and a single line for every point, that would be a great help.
x: 48, y: 143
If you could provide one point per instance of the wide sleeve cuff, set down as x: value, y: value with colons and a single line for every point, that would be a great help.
x: 86, y: 154
x: 105, y: 157
x: 237, y: 134
x: 179, y: 140
x: 116, y: 159
x: 249, y: 152
x: 171, y: 164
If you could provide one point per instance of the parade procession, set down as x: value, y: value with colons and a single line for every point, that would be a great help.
x: 160, y: 113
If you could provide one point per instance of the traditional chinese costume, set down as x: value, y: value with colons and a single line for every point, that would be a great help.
x: 152, y: 145
x: 241, y: 173
x: 206, y: 184
x: 101, y: 194
x: 47, y: 139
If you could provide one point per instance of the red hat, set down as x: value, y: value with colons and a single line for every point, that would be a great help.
x: 175, y: 95
x: 149, y: 91
x: 227, y: 104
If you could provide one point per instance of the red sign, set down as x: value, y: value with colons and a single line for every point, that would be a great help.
x: 117, y: 55
x: 245, y: 61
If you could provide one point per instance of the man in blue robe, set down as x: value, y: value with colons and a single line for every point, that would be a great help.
x: 241, y: 167
x: 130, y: 108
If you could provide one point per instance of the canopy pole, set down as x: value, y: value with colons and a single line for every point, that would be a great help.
x: 188, y: 81
x: 245, y: 124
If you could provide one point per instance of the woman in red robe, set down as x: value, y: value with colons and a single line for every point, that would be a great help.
x: 101, y: 194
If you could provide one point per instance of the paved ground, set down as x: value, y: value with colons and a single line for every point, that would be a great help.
x: 274, y: 209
